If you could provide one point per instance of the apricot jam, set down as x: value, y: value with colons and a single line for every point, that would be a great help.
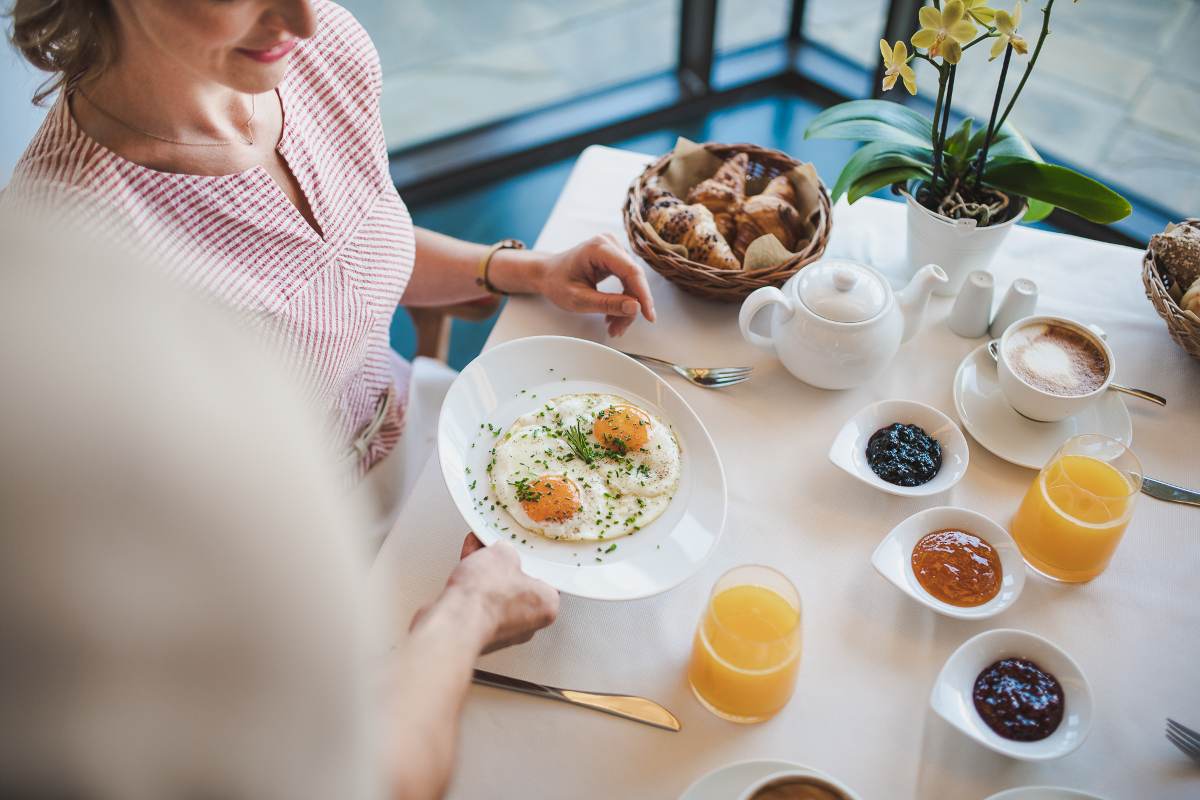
x: 957, y: 568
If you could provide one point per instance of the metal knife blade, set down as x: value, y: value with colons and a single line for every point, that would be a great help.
x: 1170, y: 493
x: 637, y: 709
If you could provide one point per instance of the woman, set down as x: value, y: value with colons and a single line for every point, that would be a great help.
x: 239, y: 144
x: 187, y: 621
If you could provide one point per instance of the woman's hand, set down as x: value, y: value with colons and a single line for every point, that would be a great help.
x: 505, y: 604
x: 445, y: 272
x: 569, y: 281
x: 488, y: 604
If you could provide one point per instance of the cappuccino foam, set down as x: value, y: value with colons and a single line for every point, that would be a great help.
x: 1056, y: 359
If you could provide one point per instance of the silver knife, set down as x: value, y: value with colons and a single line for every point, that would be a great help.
x: 1172, y: 494
x: 637, y: 709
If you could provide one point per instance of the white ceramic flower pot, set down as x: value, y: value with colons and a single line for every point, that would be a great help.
x: 955, y: 245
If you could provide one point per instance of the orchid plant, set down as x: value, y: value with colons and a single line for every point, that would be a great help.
x: 988, y: 173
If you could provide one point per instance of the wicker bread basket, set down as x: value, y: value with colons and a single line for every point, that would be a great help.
x: 711, y: 283
x: 1184, y: 329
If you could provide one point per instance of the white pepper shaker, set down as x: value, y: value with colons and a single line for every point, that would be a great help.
x: 1020, y: 302
x: 973, y: 308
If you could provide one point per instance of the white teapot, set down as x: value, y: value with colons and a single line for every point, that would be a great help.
x: 836, y: 323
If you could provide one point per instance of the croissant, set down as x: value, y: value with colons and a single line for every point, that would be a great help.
x: 693, y: 227
x: 723, y: 193
x: 763, y: 214
x: 1191, y: 299
x: 781, y: 187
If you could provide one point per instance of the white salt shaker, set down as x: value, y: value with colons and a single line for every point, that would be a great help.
x: 1020, y: 302
x: 973, y: 308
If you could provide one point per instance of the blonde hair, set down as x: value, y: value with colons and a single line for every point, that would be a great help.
x: 64, y: 37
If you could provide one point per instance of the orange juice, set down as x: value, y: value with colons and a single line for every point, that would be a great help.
x: 747, y: 652
x: 1073, y: 517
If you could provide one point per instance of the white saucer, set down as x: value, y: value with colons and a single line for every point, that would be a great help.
x: 988, y: 417
x: 729, y: 781
x: 519, y: 376
x: 1043, y: 793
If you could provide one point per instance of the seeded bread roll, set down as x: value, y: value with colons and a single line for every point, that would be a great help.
x: 1177, y: 252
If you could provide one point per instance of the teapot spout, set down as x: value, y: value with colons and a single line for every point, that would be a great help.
x: 914, y: 299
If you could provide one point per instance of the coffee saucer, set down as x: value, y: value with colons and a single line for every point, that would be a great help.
x: 996, y: 425
x: 730, y: 781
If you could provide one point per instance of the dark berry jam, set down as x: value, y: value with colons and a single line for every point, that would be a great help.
x: 904, y: 455
x: 1019, y: 701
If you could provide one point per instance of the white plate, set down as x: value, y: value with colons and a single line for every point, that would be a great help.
x: 893, y: 558
x: 729, y: 781
x: 1043, y: 793
x: 986, y: 414
x: 849, y: 448
x: 519, y: 376
x: 952, y: 693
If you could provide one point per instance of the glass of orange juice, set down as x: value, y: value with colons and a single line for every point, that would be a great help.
x: 747, y: 650
x: 1074, y: 514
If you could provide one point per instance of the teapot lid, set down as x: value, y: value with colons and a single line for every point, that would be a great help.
x: 841, y: 291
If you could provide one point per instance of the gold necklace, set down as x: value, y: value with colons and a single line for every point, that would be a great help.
x: 247, y: 139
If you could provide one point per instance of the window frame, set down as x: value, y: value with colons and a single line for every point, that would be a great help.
x: 702, y: 81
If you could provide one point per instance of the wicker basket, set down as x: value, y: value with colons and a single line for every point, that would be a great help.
x: 1184, y: 329
x: 711, y: 283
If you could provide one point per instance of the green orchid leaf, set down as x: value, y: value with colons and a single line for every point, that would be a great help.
x: 1013, y: 147
x: 869, y: 130
x: 1037, y: 211
x: 956, y: 143
x: 1008, y: 141
x: 1057, y: 186
x: 869, y: 184
x: 953, y: 166
x: 872, y: 120
x: 876, y: 156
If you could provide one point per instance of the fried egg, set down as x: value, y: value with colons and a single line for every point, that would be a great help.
x: 586, y: 466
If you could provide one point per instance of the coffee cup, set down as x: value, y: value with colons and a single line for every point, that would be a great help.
x: 797, y: 785
x: 1051, y: 368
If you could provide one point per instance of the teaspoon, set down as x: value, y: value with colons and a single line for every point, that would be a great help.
x: 994, y: 350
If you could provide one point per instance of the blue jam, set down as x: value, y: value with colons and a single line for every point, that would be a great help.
x: 904, y: 455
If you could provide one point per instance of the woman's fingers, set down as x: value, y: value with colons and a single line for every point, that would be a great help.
x: 470, y: 545
x: 592, y: 301
x: 619, y: 310
x: 570, y: 283
x: 633, y: 279
x: 618, y: 325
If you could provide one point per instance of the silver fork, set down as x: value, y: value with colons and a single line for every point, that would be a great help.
x: 1184, y: 738
x: 702, y: 376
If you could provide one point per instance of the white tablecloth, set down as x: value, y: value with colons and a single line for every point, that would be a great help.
x: 871, y: 654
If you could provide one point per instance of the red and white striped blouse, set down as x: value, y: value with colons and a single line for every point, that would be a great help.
x: 323, y: 305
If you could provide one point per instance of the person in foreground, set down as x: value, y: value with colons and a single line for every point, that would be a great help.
x: 180, y: 600
x: 239, y: 143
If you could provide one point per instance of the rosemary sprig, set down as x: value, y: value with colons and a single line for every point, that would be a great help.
x: 577, y: 440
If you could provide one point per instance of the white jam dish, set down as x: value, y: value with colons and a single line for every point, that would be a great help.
x: 893, y: 559
x: 952, y: 696
x: 849, y: 449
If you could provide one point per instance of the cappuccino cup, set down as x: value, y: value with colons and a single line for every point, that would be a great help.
x: 797, y: 785
x: 1051, y: 368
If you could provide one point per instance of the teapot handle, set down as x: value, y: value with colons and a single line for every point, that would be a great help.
x: 757, y: 301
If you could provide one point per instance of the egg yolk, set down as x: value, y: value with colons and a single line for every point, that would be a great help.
x: 622, y: 428
x: 551, y: 498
